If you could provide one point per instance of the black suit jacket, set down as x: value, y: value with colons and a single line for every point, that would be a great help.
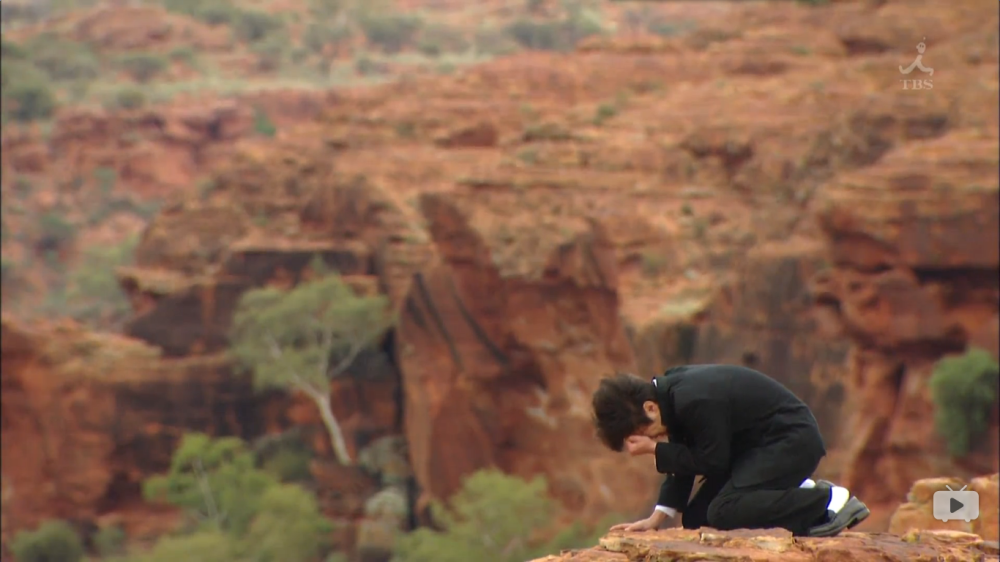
x: 730, y: 421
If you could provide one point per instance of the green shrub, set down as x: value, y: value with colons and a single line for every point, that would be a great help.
x: 202, y: 546
x: 289, y: 464
x: 964, y: 389
x: 262, y: 123
x: 143, y: 67
x: 93, y: 294
x: 560, y: 35
x: 437, y: 39
x: 392, y: 32
x: 217, y: 13
x: 129, y: 98
x: 288, y: 527
x: 253, y: 25
x: 318, y: 35
x: 109, y: 541
x: 183, y: 53
x: 55, y: 230
x: 270, y: 52
x: 212, y: 12
x: 537, y: 35
x: 53, y: 541
x: 27, y: 93
x: 62, y: 59
x: 506, y: 510
x: 493, y: 41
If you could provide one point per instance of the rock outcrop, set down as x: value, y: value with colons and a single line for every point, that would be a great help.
x: 918, y: 511
x: 915, y: 277
x: 777, y: 545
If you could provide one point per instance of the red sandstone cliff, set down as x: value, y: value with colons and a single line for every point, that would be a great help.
x: 531, y: 247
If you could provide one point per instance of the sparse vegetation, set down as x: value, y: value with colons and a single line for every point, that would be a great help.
x: 93, y: 294
x: 302, y: 338
x: 128, y: 98
x: 239, y: 511
x: 110, y: 541
x: 964, y: 389
x: 391, y: 32
x: 52, y: 541
x: 493, y: 517
x: 143, y: 67
x: 262, y: 123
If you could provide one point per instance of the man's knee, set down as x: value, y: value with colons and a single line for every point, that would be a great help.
x: 723, y: 516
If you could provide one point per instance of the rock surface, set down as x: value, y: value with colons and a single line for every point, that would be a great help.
x: 918, y: 511
x: 678, y: 545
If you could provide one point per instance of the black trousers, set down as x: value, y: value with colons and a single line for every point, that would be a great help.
x: 779, y: 503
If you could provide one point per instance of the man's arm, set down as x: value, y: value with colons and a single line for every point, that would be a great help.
x: 709, y: 432
x: 674, y: 494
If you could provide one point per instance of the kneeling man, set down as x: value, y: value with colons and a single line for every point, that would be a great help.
x: 755, y: 444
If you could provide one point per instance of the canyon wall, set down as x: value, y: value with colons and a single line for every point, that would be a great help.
x: 762, y: 192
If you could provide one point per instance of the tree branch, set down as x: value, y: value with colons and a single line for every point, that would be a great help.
x: 206, y: 491
x: 298, y: 381
x: 352, y: 354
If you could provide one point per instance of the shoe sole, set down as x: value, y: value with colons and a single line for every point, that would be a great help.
x: 854, y: 512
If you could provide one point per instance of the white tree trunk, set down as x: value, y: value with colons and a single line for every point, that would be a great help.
x: 333, y: 428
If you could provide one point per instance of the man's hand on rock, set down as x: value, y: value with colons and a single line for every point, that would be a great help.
x: 640, y: 445
x: 650, y: 523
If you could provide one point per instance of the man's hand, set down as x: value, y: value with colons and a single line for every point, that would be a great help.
x: 640, y: 445
x: 650, y: 523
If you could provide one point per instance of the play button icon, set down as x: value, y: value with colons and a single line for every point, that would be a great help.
x: 955, y: 505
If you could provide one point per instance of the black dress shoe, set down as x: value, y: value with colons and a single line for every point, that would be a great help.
x: 853, y: 512
x: 826, y: 485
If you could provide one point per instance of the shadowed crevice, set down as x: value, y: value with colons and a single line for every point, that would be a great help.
x: 481, y: 335
x: 425, y: 296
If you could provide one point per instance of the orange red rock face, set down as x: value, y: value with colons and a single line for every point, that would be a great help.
x: 768, y: 195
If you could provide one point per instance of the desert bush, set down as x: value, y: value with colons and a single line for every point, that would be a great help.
x: 109, y: 541
x: 26, y: 92
x: 62, y: 59
x: 53, y: 541
x: 391, y: 32
x: 184, y: 53
x: 537, y: 35
x: 128, y: 97
x: 54, y: 230
x: 202, y: 546
x: 436, y: 39
x: 253, y: 25
x: 493, y: 517
x: 289, y: 463
x: 288, y: 528
x: 244, y: 513
x: 143, y: 67
x: 318, y: 35
x: 493, y: 41
x: 214, y: 480
x: 212, y: 12
x: 93, y: 295
x: 558, y: 35
x: 964, y: 390
x: 270, y: 52
x: 262, y: 123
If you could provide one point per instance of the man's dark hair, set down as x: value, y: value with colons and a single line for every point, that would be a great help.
x: 618, y: 411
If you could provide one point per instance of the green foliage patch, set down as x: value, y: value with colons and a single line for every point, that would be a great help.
x: 53, y: 541
x: 964, y: 389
